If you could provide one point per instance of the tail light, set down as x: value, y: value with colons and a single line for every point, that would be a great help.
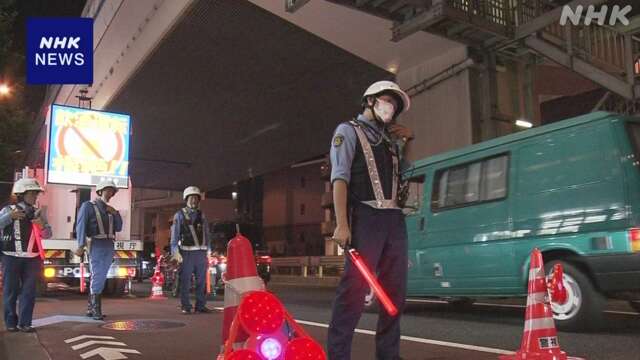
x: 264, y: 259
x: 634, y: 238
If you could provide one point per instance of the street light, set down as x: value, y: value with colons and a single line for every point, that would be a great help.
x: 4, y: 89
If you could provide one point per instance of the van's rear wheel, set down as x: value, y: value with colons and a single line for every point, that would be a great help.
x: 584, y: 305
x: 115, y: 287
x: 635, y: 304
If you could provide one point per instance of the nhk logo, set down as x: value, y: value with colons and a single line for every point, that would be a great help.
x: 60, y: 50
x: 617, y: 15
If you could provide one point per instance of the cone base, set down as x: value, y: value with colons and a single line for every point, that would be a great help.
x: 561, y: 355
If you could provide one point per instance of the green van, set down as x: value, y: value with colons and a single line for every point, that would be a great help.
x: 571, y: 189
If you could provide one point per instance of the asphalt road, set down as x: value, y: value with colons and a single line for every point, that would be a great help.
x: 431, y: 330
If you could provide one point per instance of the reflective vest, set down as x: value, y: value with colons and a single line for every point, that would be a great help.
x: 192, y: 235
x: 102, y: 234
x: 374, y: 171
x: 18, y: 238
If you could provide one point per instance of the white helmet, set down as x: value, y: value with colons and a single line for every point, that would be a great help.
x: 106, y: 184
x: 389, y: 86
x: 26, y: 184
x: 191, y: 190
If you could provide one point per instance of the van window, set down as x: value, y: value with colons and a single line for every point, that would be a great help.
x: 634, y: 133
x: 471, y: 183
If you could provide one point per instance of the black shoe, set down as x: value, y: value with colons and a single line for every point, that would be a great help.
x: 12, y: 329
x: 204, y: 310
x: 185, y: 311
x: 26, y: 329
x: 96, y: 301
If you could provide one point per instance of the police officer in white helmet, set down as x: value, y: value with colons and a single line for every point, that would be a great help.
x: 21, y: 252
x: 190, y: 246
x: 99, y: 222
x: 366, y: 159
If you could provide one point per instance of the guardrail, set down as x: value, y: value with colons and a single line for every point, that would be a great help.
x: 308, y: 266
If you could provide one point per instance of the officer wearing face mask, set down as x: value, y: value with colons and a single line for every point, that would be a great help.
x: 366, y: 159
x: 190, y: 246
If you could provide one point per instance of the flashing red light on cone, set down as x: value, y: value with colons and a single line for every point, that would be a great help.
x: 244, y: 354
x: 540, y: 338
x: 556, y: 285
x: 304, y: 349
x: 253, y: 309
x: 386, y: 302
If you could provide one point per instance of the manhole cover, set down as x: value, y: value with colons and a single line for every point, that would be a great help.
x: 142, y: 325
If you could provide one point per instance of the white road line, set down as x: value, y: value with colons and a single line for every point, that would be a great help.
x: 82, y: 337
x: 421, y: 340
x: 425, y: 301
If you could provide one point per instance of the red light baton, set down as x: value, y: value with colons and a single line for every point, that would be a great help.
x: 81, y: 276
x: 373, y: 282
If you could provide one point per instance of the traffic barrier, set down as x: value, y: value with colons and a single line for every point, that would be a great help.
x: 540, y: 339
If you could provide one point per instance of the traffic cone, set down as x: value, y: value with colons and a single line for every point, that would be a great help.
x: 273, y: 332
x: 240, y: 277
x: 157, y: 280
x: 540, y: 339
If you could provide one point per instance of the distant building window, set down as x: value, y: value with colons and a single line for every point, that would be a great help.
x: 302, y: 209
x: 303, y: 182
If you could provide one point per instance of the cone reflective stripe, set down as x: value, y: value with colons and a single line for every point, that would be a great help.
x: 240, y: 277
x: 540, y: 339
x: 381, y: 294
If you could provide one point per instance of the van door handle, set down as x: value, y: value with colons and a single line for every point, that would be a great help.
x: 421, y: 224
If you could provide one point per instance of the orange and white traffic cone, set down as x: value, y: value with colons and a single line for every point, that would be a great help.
x: 157, y: 280
x: 540, y: 339
x: 240, y: 277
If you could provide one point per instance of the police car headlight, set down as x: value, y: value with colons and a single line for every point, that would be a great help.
x: 49, y: 272
x: 122, y: 272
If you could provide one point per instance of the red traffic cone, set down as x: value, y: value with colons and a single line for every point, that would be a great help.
x: 157, y: 280
x: 540, y: 339
x: 240, y: 277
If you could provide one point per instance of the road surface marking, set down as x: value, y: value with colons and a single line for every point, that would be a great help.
x: 62, y: 318
x: 422, y: 341
x: 82, y: 337
x: 109, y: 353
x: 97, y: 342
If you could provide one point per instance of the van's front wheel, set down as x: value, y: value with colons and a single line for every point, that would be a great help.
x: 584, y: 305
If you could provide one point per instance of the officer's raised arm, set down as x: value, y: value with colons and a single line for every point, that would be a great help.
x: 175, y: 233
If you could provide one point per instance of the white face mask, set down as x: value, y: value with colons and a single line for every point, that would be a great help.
x: 384, y: 110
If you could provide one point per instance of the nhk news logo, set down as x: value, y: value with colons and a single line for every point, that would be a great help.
x: 574, y: 15
x: 59, y: 51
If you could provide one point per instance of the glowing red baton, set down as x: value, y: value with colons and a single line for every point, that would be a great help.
x: 81, y: 275
x: 373, y: 282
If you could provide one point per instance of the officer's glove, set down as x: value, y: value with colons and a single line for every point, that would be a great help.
x: 177, y: 257
x: 79, y: 252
